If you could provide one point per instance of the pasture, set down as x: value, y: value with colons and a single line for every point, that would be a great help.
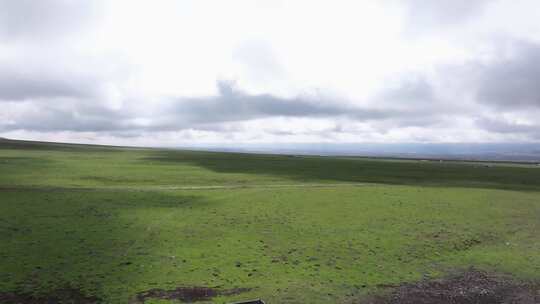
x: 96, y: 224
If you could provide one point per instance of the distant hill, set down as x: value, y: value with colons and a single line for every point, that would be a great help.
x: 6, y: 143
x: 491, y: 152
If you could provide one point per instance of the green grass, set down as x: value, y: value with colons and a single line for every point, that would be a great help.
x: 116, y: 221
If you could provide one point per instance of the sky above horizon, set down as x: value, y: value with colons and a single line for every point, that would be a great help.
x: 177, y: 73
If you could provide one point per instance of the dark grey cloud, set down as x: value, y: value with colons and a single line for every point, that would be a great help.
x: 30, y: 19
x: 67, y: 115
x: 417, y: 104
x: 504, y: 126
x: 63, y: 74
x: 18, y: 84
x: 204, y: 113
x: 232, y: 104
x: 512, y: 81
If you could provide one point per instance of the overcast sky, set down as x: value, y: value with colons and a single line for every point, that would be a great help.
x: 261, y: 71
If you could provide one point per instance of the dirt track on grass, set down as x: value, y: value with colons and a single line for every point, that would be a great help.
x: 174, y: 188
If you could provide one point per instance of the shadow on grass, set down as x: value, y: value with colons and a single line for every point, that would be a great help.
x: 328, y: 169
x: 93, y: 243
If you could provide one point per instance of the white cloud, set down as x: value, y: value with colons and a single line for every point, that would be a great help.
x: 304, y: 71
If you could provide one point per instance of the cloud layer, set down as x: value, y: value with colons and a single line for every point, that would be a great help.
x: 180, y: 73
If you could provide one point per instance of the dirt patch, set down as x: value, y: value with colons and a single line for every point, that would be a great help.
x: 64, y: 296
x: 185, y: 294
x: 471, y: 287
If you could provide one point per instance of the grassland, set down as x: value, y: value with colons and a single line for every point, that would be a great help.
x: 114, y: 222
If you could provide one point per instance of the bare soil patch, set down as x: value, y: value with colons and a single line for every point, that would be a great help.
x: 64, y: 296
x: 471, y: 287
x: 185, y: 294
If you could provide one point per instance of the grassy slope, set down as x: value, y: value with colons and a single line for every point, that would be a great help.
x: 70, y: 215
